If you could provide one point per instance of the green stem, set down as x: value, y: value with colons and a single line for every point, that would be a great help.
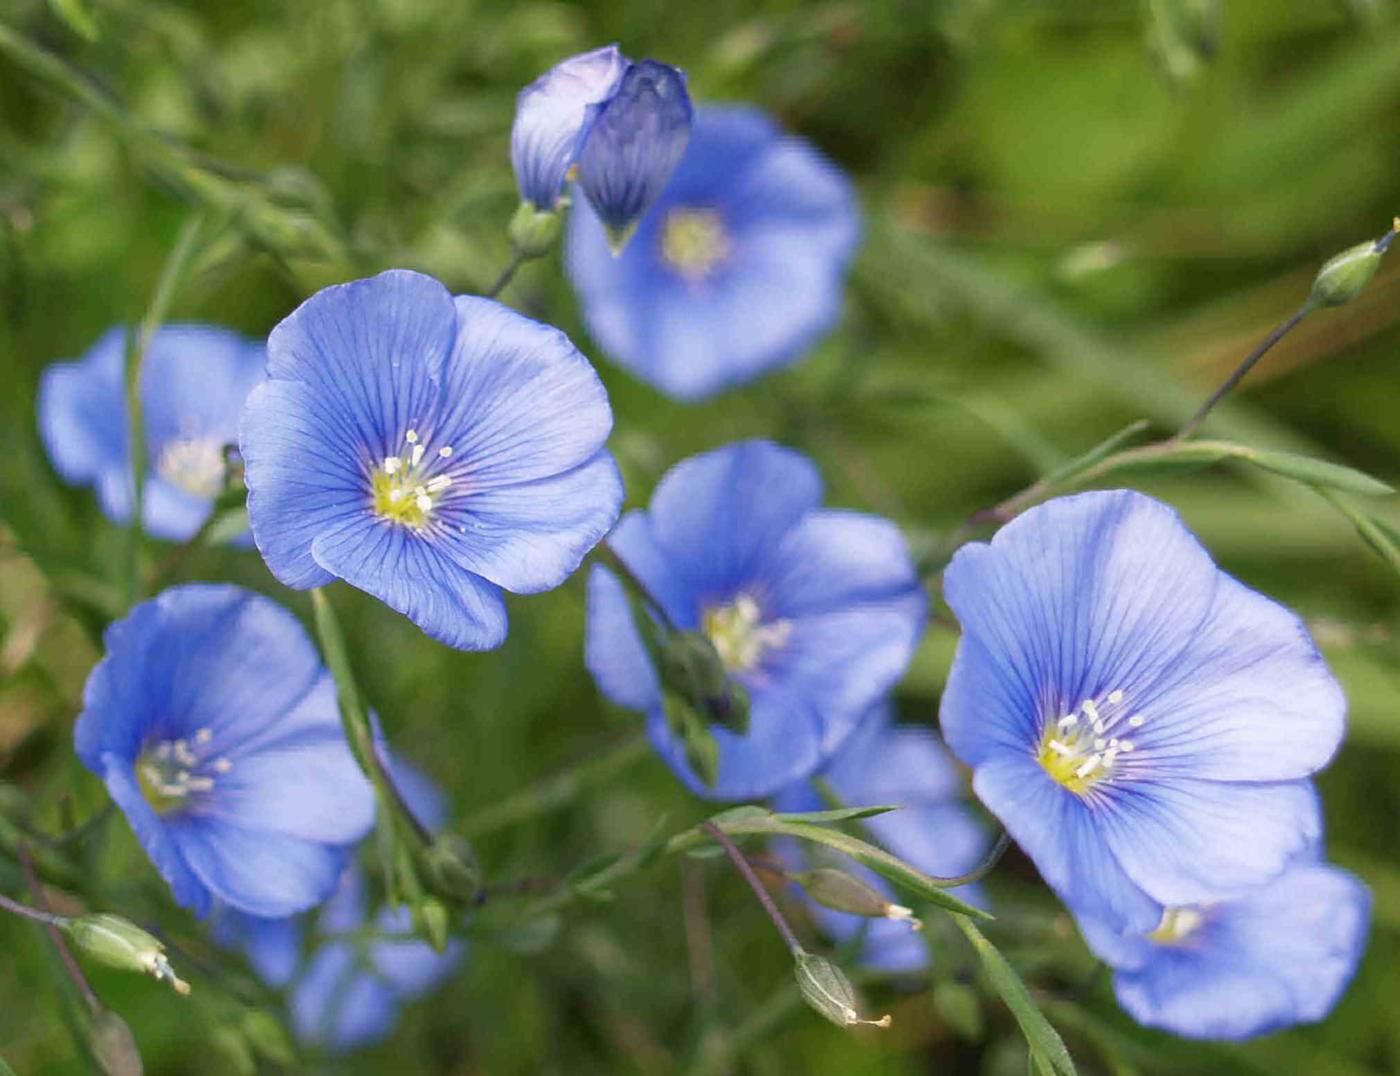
x: 24, y: 911
x: 517, y: 259
x: 560, y: 789
x: 137, y: 346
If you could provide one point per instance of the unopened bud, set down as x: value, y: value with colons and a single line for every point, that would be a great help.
x: 1345, y: 276
x: 452, y: 868
x: 692, y: 668
x: 120, y: 943
x: 114, y: 1046
x: 842, y: 892
x: 701, y: 747
x: 533, y: 231
x: 825, y: 988
x: 433, y: 922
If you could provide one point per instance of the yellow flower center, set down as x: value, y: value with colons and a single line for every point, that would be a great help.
x: 195, y: 465
x: 739, y: 636
x: 407, y: 488
x: 694, y: 241
x: 1177, y: 925
x: 171, y: 770
x: 1088, y: 745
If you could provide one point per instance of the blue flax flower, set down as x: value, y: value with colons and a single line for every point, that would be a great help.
x: 814, y: 611
x: 216, y: 730
x: 1142, y: 723
x: 737, y: 269
x: 884, y: 763
x: 624, y: 124
x: 1282, y: 954
x: 351, y: 990
x: 430, y: 451
x: 193, y: 384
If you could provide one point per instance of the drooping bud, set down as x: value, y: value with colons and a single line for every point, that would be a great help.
x: 635, y: 144
x: 553, y: 116
x: 690, y: 666
x: 533, y: 231
x: 120, y: 943
x: 842, y: 892
x: 1345, y: 276
x: 452, y: 869
x: 825, y: 988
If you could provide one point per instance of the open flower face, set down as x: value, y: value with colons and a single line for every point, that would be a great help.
x: 217, y: 732
x: 814, y: 611
x: 1282, y: 954
x: 431, y: 451
x: 1142, y: 723
x: 193, y: 384
x: 737, y: 269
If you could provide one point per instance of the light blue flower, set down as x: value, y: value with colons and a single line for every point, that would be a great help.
x: 737, y: 269
x: 634, y: 147
x: 217, y: 732
x: 430, y: 451
x: 885, y: 763
x: 624, y: 124
x: 815, y: 611
x: 1282, y: 954
x: 1142, y: 723
x: 351, y: 991
x: 193, y: 384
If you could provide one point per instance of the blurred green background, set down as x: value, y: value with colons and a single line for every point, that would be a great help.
x: 1076, y: 216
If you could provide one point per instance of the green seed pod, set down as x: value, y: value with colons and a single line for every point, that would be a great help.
x: 1345, y: 276
x: 825, y: 988
x: 842, y: 892
x: 452, y: 868
x: 120, y: 943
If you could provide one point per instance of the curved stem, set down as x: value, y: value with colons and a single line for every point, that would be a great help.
x: 764, y: 897
x: 1241, y: 370
x: 53, y: 923
x: 990, y: 860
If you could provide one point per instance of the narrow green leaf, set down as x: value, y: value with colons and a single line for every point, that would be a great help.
x: 743, y: 813
x: 1317, y: 472
x: 841, y: 814
x: 1105, y: 448
x: 1379, y: 536
x: 1045, y: 1043
x: 1189, y: 455
x: 76, y: 16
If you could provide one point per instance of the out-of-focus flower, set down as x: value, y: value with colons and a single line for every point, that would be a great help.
x: 737, y: 269
x: 884, y: 763
x: 193, y: 384
x: 814, y: 612
x: 430, y: 451
x: 216, y: 730
x: 1282, y: 954
x: 624, y: 124
x: 1142, y: 723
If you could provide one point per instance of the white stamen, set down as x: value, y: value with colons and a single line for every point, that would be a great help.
x: 392, y: 464
x: 1115, y: 697
x: 424, y: 502
x: 1137, y: 721
x: 203, y: 736
x: 199, y: 784
x: 417, y: 457
x: 1088, y: 767
x: 411, y: 437
x: 1090, y: 710
x: 1125, y: 746
x: 395, y: 495
x: 1059, y: 749
x: 438, y: 484
x: 1109, y: 756
x: 445, y: 451
x: 1100, y: 743
x: 1068, y: 721
x: 222, y: 765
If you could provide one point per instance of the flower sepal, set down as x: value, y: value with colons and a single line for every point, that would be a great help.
x: 1345, y: 276
x: 534, y: 231
x: 120, y: 943
x: 699, y: 743
x: 451, y: 869
x: 824, y: 987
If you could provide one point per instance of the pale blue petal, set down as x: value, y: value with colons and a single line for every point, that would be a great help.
x: 156, y: 838
x: 82, y: 419
x: 613, y: 649
x: 337, y: 1003
x: 832, y: 559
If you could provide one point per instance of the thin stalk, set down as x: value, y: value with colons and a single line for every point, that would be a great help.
x: 52, y: 925
x: 137, y: 345
x: 1241, y: 370
x: 989, y: 861
x: 517, y: 259
x: 559, y: 789
x: 764, y: 897
x: 24, y: 911
x: 633, y: 583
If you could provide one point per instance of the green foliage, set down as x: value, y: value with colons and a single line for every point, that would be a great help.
x: 1078, y: 216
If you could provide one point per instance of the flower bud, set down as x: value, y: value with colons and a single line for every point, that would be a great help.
x: 120, y: 943
x: 701, y: 747
x: 842, y: 892
x: 434, y: 922
x: 1345, y: 276
x: 553, y: 115
x: 692, y: 668
x: 825, y: 988
x: 534, y: 231
x: 113, y: 1045
x: 634, y: 146
x: 452, y: 868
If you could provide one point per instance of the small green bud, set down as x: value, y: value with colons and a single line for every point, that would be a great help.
x: 692, y: 668
x: 842, y: 892
x: 701, y: 747
x: 113, y: 1045
x: 120, y: 943
x: 452, y: 868
x: 533, y: 231
x: 434, y: 922
x: 825, y: 988
x: 1344, y: 277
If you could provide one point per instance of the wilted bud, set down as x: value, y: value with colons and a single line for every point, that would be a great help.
x: 634, y: 146
x: 1345, y: 276
x: 114, y: 1046
x: 692, y: 668
x: 452, y: 868
x: 825, y: 987
x: 533, y: 231
x: 119, y: 943
x: 842, y: 892
x: 552, y: 118
x: 434, y: 922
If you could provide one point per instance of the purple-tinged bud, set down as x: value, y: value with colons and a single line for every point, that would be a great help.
x: 635, y: 144
x: 553, y: 116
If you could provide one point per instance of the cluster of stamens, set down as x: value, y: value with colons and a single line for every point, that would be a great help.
x: 694, y: 241
x: 1177, y: 925
x: 173, y: 769
x: 196, y: 465
x: 405, y: 489
x: 1084, y: 746
x: 739, y: 635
